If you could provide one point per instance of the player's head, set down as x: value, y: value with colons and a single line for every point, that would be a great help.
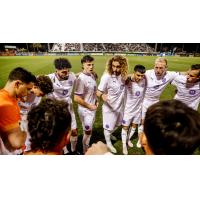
x: 171, y: 127
x: 139, y: 72
x: 43, y: 86
x: 87, y: 64
x: 22, y: 81
x: 48, y: 125
x: 160, y: 66
x: 193, y: 74
x: 62, y: 66
x: 117, y: 65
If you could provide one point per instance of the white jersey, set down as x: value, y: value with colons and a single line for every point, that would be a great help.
x: 133, y: 104
x: 114, y: 87
x: 63, y: 89
x: 156, y: 86
x: 188, y: 93
x: 86, y: 87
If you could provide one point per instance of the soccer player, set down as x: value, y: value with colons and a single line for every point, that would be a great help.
x: 20, y: 82
x: 188, y: 87
x: 42, y: 87
x: 63, y: 83
x: 170, y: 128
x: 85, y: 96
x: 135, y: 89
x: 112, y: 89
x: 157, y: 79
x: 49, y: 124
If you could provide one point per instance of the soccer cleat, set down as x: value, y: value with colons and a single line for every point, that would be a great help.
x: 112, y: 149
x: 130, y: 144
x: 112, y: 137
x: 138, y: 144
x: 125, y: 151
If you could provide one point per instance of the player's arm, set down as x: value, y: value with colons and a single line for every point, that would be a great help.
x: 78, y: 99
x: 102, y: 96
x: 13, y: 138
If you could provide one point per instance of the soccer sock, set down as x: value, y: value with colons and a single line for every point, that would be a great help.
x: 73, y: 141
x: 85, y: 142
x: 107, y: 134
x: 65, y: 150
x: 124, y: 138
x: 131, y: 133
x: 140, y: 129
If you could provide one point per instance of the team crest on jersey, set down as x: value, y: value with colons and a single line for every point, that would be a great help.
x: 70, y: 83
x: 156, y: 87
x: 192, y: 92
x: 137, y: 93
x: 65, y: 92
x: 164, y: 80
x: 121, y: 87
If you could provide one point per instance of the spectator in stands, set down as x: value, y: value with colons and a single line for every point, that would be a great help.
x: 49, y: 126
x: 20, y: 82
x: 170, y: 128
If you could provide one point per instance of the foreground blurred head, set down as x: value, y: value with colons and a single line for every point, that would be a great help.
x: 48, y: 125
x: 171, y: 127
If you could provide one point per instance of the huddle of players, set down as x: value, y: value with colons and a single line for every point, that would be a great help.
x: 126, y: 98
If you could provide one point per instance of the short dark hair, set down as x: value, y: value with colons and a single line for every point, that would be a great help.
x: 21, y: 74
x: 62, y: 63
x: 45, y: 84
x: 48, y: 122
x: 87, y: 58
x: 196, y: 67
x: 140, y: 68
x: 171, y: 127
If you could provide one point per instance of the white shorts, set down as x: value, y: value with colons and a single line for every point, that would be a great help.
x: 145, y: 105
x: 111, y: 120
x: 132, y: 118
x: 87, y: 118
x: 73, y: 123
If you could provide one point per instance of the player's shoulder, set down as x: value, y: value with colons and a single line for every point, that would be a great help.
x: 51, y: 76
x: 72, y: 75
x: 106, y: 76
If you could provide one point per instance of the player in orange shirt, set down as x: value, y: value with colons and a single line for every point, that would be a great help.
x: 20, y: 81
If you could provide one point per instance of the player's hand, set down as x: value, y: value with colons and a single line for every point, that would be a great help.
x: 92, y: 107
x: 104, y: 97
x: 98, y: 148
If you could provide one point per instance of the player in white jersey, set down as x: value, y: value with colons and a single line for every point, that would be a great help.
x: 85, y: 96
x: 42, y: 87
x: 63, y: 83
x: 134, y: 89
x: 157, y: 79
x: 188, y: 87
x: 112, y: 89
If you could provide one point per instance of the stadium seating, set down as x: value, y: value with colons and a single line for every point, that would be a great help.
x: 102, y: 47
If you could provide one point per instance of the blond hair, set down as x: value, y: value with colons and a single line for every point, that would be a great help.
x: 161, y: 60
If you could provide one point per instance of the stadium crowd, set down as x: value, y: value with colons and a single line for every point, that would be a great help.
x: 37, y: 114
x: 102, y: 47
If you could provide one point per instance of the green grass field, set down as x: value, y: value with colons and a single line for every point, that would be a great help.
x: 44, y: 65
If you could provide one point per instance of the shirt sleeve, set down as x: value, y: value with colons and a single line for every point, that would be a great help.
x: 103, y: 83
x: 79, y: 88
x: 9, y: 118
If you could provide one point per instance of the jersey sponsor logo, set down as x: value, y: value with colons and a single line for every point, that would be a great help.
x: 192, y: 92
x: 137, y: 93
x: 164, y: 80
x: 123, y: 121
x: 65, y: 92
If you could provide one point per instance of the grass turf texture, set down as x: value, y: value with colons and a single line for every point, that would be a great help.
x: 44, y: 65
